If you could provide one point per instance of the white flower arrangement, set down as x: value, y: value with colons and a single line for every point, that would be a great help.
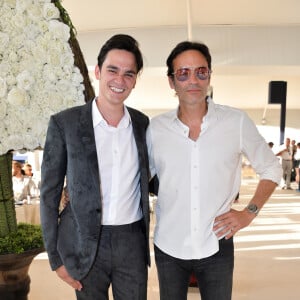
x: 37, y: 72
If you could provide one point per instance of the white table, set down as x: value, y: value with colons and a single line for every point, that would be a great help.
x: 29, y: 213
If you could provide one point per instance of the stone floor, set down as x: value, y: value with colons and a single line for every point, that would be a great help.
x: 267, y: 256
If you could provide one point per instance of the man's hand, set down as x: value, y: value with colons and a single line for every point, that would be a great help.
x: 65, y: 197
x: 233, y: 221
x: 64, y: 275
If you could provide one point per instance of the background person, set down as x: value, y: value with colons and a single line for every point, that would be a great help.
x: 28, y: 170
x: 297, y: 165
x: 286, y: 154
x: 23, y: 185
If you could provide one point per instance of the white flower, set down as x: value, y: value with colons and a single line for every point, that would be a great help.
x: 31, y: 32
x: 3, y: 87
x: 15, y: 141
x: 4, y: 40
x: 13, y: 57
x: 18, y: 98
x: 2, y: 109
x: 11, y: 80
x: 4, y: 68
x: 19, y: 22
x: 10, y: 3
x: 77, y: 77
x: 24, y: 80
x: 34, y: 12
x: 67, y: 59
x: 22, y: 5
x: 37, y: 72
x: 50, y: 11
x: 59, y: 30
x: 49, y: 73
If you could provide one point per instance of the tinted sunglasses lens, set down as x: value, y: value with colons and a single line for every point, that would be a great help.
x: 182, y: 74
x: 202, y: 73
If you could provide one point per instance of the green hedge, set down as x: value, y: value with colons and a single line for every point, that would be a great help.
x: 27, y: 237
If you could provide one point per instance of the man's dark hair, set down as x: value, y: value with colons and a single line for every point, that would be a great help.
x: 184, y: 46
x: 122, y: 42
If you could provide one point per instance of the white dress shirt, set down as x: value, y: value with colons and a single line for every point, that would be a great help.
x: 23, y: 187
x: 297, y: 154
x: 199, y: 180
x: 287, y: 153
x: 118, y: 168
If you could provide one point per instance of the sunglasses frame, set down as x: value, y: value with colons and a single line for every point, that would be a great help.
x: 200, y: 75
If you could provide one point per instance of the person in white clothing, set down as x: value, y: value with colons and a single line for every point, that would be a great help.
x: 23, y: 185
x: 196, y: 151
x: 286, y: 154
x: 297, y: 164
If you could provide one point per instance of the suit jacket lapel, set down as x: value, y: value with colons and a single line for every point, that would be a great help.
x: 139, y: 134
x: 86, y: 131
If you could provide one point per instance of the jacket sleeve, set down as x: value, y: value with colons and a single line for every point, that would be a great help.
x: 53, y: 172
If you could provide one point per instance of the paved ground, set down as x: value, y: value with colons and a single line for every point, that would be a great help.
x: 267, y: 256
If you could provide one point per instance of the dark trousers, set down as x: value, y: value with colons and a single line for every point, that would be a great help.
x: 121, y: 262
x: 214, y: 274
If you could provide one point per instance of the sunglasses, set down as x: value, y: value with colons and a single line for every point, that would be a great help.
x: 184, y: 74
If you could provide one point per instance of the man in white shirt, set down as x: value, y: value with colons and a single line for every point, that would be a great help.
x: 100, y: 239
x: 196, y: 152
x: 286, y: 154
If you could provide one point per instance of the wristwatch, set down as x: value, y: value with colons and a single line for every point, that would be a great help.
x: 252, y: 208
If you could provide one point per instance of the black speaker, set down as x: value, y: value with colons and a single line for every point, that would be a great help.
x: 277, y: 92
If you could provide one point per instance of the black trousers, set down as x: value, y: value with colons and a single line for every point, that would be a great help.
x: 214, y: 274
x: 120, y: 262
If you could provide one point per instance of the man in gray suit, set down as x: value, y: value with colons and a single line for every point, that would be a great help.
x: 101, y: 237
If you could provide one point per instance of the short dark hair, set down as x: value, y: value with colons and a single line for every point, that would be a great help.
x: 122, y: 42
x: 184, y: 46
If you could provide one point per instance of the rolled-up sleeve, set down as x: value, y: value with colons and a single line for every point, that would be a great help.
x: 258, y: 152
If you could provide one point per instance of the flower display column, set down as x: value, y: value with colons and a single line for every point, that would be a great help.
x: 42, y: 71
x: 8, y: 222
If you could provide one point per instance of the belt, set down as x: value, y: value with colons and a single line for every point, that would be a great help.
x: 133, y: 227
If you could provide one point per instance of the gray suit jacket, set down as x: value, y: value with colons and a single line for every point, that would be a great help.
x: 71, y: 238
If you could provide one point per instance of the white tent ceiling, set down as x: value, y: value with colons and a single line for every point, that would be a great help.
x: 166, y: 22
x: 92, y: 15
